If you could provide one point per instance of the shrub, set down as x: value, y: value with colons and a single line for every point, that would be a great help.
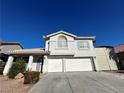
x: 1, y: 71
x: 2, y: 65
x: 17, y: 67
x: 31, y: 77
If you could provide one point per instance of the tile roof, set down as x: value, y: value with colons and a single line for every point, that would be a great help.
x: 10, y: 43
x: 119, y: 48
x: 67, y: 33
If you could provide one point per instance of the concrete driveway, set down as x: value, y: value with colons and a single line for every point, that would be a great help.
x: 79, y: 82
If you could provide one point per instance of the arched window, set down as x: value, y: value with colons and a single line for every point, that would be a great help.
x: 62, y: 42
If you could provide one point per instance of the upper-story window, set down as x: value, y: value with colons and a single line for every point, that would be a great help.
x: 62, y: 42
x: 83, y: 45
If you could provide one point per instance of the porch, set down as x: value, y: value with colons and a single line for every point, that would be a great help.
x: 33, y: 57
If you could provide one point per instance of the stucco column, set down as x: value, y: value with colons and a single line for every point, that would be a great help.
x: 8, y: 65
x: 30, y: 61
x: 45, y: 65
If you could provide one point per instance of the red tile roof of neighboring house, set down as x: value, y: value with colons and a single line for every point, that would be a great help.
x: 119, y: 48
x: 6, y: 43
x: 11, y: 43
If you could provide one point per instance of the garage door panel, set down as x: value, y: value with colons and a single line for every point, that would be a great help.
x: 67, y: 65
x: 78, y: 65
x: 55, y: 65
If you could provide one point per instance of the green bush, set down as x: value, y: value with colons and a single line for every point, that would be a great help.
x: 17, y: 67
x: 1, y: 71
x: 31, y: 77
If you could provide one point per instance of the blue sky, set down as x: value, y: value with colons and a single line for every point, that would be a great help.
x: 26, y: 21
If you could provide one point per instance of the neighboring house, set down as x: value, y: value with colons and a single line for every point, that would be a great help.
x: 64, y: 52
x: 4, y: 48
x: 8, y: 46
x: 119, y: 50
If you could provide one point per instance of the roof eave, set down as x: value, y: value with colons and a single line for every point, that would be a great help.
x: 86, y: 38
x: 28, y: 53
x: 67, y: 33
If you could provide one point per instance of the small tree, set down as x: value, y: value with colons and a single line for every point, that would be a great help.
x: 18, y: 67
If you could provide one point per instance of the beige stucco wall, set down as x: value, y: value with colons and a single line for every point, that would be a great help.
x: 72, y: 47
x: 104, y: 61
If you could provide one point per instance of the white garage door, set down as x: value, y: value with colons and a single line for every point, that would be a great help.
x: 66, y: 65
x: 78, y: 65
x: 54, y: 65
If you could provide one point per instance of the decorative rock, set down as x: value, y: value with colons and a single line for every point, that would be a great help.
x: 19, y: 76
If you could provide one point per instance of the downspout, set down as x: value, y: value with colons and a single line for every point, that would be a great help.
x: 48, y: 45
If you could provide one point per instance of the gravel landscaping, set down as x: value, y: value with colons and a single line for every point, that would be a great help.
x: 13, y: 86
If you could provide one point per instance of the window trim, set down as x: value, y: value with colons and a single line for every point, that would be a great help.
x: 83, y: 45
x: 62, y: 45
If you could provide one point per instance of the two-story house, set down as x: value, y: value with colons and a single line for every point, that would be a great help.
x: 69, y: 52
x: 65, y: 52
